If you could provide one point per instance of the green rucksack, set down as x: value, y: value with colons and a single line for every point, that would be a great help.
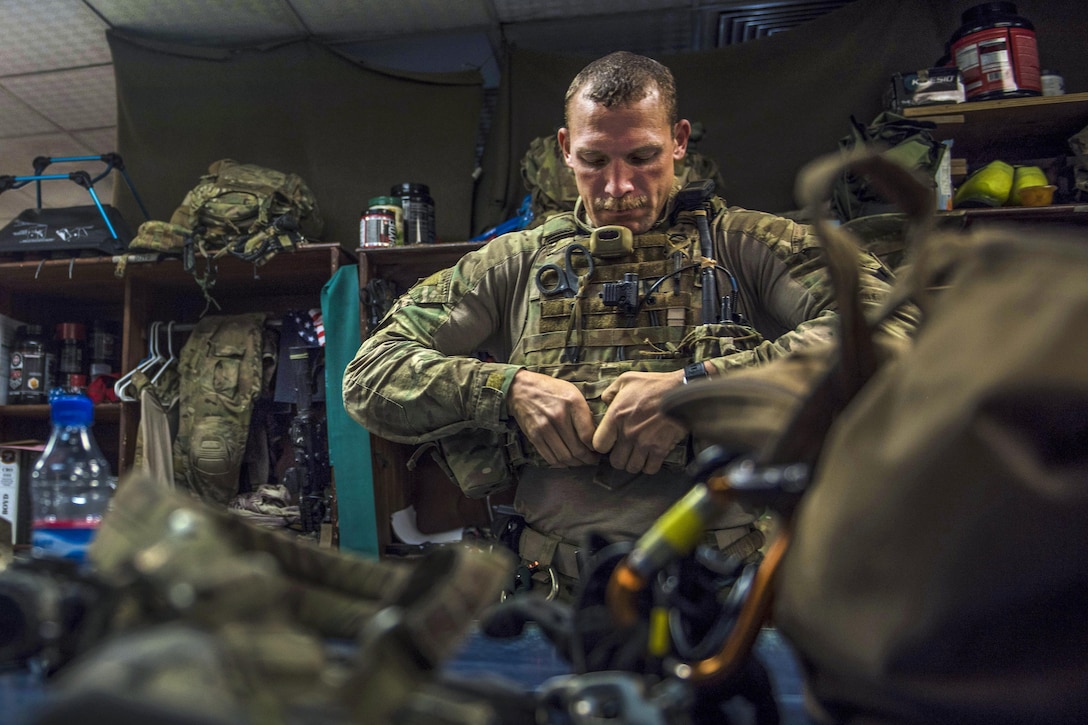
x: 1078, y: 144
x: 907, y: 142
x: 244, y: 210
x: 225, y: 366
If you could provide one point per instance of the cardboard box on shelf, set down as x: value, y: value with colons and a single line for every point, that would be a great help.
x: 924, y: 87
x: 16, y: 461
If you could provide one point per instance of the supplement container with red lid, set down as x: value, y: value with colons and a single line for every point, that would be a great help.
x: 996, y: 52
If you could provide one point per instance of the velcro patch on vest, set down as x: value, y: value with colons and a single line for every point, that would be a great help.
x: 434, y: 290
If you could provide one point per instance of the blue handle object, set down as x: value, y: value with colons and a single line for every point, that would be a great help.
x: 522, y: 220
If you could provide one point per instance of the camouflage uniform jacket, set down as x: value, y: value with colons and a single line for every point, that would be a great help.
x: 420, y: 376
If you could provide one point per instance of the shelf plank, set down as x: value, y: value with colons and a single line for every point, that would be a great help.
x: 1011, y: 129
x: 415, y: 253
x: 103, y: 412
x: 1069, y: 213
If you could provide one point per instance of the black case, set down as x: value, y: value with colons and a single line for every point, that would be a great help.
x: 93, y: 229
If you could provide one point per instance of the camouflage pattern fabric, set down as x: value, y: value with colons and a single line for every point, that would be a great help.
x: 244, y: 210
x: 907, y: 142
x: 418, y: 378
x: 666, y: 334
x: 1078, y: 144
x: 214, y: 616
x: 223, y: 370
x: 233, y: 198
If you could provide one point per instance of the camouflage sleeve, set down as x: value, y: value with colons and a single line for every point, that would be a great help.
x: 784, y: 287
x: 423, y: 373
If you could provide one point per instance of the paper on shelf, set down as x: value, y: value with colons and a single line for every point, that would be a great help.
x: 405, y: 529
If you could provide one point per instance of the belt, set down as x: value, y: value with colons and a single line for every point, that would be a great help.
x: 549, y: 550
x: 552, y: 550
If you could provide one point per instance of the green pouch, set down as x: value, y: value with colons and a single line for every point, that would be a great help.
x: 478, y: 461
x: 719, y: 339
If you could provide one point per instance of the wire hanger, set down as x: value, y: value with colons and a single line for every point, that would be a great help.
x: 121, y: 387
x: 170, y: 352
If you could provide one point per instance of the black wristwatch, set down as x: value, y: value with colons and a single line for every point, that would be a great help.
x: 695, y: 371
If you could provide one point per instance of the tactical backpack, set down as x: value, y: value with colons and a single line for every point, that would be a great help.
x: 1078, y: 144
x: 225, y: 365
x: 244, y: 210
x: 932, y: 572
x: 907, y: 142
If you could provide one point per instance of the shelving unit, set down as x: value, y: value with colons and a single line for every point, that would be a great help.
x: 405, y: 265
x: 86, y: 289
x: 1012, y: 129
x: 1031, y: 131
x: 401, y: 266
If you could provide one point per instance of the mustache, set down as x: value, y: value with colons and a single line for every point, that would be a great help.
x: 626, y: 203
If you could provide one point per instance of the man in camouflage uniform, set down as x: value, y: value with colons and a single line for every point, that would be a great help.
x: 569, y: 392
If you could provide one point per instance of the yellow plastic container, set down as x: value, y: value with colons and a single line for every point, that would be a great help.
x: 989, y: 186
x: 1030, y: 179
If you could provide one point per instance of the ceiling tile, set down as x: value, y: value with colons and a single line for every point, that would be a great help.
x: 98, y: 141
x: 18, y: 154
x: 522, y: 10
x: 39, y: 35
x: 82, y: 98
x: 19, y: 119
x: 362, y: 19
x: 203, y: 22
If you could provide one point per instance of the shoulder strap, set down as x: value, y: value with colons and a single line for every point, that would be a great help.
x: 558, y: 227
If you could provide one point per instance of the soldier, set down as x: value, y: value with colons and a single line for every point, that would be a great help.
x: 588, y: 320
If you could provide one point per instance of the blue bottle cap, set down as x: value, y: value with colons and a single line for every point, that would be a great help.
x: 67, y: 409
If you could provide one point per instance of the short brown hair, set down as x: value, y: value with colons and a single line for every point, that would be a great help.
x: 622, y: 78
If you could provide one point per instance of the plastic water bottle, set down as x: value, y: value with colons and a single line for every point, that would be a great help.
x: 71, y: 484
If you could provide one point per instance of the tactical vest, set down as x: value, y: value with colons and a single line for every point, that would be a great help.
x: 589, y: 339
x: 589, y: 342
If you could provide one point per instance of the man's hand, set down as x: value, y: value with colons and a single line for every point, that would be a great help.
x: 555, y: 418
x: 634, y: 432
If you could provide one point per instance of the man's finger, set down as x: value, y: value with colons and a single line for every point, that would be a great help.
x: 605, y: 436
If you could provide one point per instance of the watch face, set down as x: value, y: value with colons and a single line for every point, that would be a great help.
x: 695, y: 371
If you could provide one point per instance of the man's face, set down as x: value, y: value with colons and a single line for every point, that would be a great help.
x: 622, y: 159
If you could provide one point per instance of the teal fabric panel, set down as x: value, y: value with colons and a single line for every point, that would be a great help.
x: 349, y: 442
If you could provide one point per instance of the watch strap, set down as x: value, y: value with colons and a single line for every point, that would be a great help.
x: 695, y: 371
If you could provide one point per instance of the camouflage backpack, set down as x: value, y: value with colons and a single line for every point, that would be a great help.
x: 248, y: 211
x: 908, y: 142
x: 225, y: 366
x: 1078, y: 144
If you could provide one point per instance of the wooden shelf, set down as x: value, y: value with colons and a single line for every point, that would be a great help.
x: 1011, y: 129
x: 393, y: 487
x: 419, y: 252
x: 404, y: 265
x: 103, y: 412
x: 1072, y: 214
x: 152, y: 289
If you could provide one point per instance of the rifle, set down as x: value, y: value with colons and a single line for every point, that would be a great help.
x: 309, y: 477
